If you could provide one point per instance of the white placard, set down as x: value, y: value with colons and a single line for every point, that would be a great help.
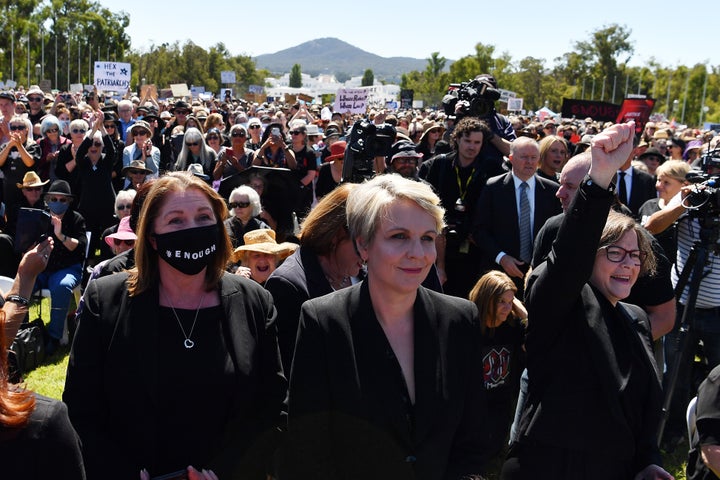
x: 227, y: 76
x: 113, y: 76
x: 353, y: 100
x: 515, y: 104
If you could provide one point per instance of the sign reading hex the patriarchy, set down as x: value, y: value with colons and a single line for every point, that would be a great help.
x: 112, y: 76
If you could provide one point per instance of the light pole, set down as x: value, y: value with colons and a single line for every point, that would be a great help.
x: 38, y: 71
x: 676, y: 102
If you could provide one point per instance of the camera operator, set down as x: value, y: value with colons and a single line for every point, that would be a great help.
x: 706, y: 325
x: 458, y: 178
x: 477, y: 99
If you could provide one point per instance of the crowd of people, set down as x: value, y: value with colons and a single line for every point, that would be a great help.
x: 496, y: 288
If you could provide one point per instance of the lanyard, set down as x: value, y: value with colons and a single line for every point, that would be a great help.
x: 463, y: 192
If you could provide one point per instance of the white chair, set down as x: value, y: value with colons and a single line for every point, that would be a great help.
x: 77, y: 291
x: 690, y: 418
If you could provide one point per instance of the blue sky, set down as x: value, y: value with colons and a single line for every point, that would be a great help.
x: 416, y: 29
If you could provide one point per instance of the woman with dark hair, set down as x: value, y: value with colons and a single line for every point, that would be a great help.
x: 594, y: 396
x: 305, y: 170
x: 175, y: 362
x: 432, y: 134
x: 236, y: 158
x: 37, y: 440
x: 273, y: 152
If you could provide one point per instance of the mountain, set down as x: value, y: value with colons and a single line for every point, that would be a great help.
x: 333, y: 56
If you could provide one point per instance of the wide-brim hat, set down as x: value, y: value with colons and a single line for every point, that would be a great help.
x: 431, y: 126
x: 60, y: 187
x: 337, y: 151
x: 181, y: 104
x: 140, y: 124
x: 136, y: 165
x: 263, y: 241
x: 197, y: 170
x: 31, y: 179
x: 124, y: 232
x: 154, y: 116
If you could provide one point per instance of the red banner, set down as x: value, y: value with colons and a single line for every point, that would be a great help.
x: 598, y: 111
x: 637, y: 109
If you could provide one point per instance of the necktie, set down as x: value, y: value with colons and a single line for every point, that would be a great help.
x: 525, y: 233
x: 622, y: 194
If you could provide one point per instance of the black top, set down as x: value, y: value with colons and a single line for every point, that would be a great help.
x: 95, y: 191
x: 325, y: 181
x: 707, y: 423
x: 47, y: 447
x: 235, y: 229
x: 14, y: 169
x: 73, y: 225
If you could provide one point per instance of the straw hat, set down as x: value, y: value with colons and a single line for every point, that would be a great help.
x: 31, y: 179
x: 263, y: 241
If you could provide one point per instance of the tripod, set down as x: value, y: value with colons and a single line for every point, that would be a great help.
x: 693, y: 270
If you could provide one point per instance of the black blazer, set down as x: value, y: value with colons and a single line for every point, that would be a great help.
x: 111, y: 387
x: 349, y: 413
x: 495, y: 226
x: 643, y: 189
x: 578, y: 394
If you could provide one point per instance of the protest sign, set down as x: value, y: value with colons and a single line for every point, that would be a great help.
x: 353, y: 100
x: 112, y: 76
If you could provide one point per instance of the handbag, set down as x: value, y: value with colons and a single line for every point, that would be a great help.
x: 27, y: 350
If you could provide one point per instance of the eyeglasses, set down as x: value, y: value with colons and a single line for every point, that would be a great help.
x: 15, y: 128
x: 137, y: 172
x: 109, y: 125
x: 617, y: 254
x: 238, y: 134
x: 78, y: 131
x: 192, y: 144
x: 58, y: 199
x: 253, y: 127
x: 406, y: 161
x: 296, y: 132
x: 97, y: 144
x: 32, y: 189
x: 125, y: 110
x: 139, y: 133
x: 123, y: 207
x: 52, y: 130
x: 118, y: 242
x: 35, y: 99
x: 239, y: 204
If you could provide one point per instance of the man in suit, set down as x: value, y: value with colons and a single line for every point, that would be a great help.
x: 634, y: 187
x: 505, y: 223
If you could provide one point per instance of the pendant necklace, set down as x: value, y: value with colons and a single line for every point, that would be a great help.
x: 187, y: 343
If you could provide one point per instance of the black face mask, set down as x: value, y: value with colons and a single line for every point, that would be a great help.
x: 190, y: 250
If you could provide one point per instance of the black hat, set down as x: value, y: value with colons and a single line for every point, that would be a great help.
x: 110, y: 116
x: 652, y: 152
x: 60, y: 187
x: 182, y: 104
x: 7, y: 96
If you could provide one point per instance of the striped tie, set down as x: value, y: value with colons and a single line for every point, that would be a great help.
x: 525, y: 233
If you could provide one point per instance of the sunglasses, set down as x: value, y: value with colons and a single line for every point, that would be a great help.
x: 296, y: 132
x: 35, y: 99
x: 238, y: 134
x: 181, y: 112
x: 215, y: 137
x: 52, y: 130
x: 192, y: 144
x: 109, y: 125
x: 15, y: 128
x: 98, y: 144
x: 58, y: 199
x: 78, y: 131
x: 32, y: 189
x: 136, y: 172
x: 124, y: 207
x: 253, y: 127
x: 138, y: 133
x: 239, y: 204
x: 118, y: 242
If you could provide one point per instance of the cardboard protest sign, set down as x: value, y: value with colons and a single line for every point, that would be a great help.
x: 353, y: 100
x: 180, y: 90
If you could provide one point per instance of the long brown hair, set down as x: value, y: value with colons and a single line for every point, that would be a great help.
x: 326, y: 224
x: 16, y: 406
x: 146, y: 273
x: 487, y: 292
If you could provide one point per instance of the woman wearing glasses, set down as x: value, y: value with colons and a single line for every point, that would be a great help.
x: 17, y: 157
x: 194, y: 150
x: 594, y: 396
x: 64, y: 269
x: 66, y: 161
x: 236, y: 158
x: 140, y: 147
x: 244, y: 209
x: 50, y: 143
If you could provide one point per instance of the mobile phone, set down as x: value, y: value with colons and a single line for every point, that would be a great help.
x: 33, y: 226
x: 275, y: 131
x: 179, y: 475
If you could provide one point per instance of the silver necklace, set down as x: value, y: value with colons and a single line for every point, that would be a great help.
x: 187, y: 343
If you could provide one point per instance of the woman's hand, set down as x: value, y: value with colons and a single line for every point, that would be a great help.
x: 244, y: 272
x: 653, y: 472
x: 610, y: 150
x: 35, y: 260
x: 57, y: 224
